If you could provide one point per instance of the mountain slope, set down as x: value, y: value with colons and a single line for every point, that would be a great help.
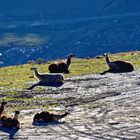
x: 100, y: 106
x: 53, y: 29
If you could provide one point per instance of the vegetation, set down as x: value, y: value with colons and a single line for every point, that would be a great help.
x: 39, y: 61
x: 14, y: 79
x: 18, y: 77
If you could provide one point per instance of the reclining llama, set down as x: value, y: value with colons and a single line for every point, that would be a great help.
x: 47, y: 79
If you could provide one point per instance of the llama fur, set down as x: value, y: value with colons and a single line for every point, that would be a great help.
x: 61, y: 66
x: 48, y: 77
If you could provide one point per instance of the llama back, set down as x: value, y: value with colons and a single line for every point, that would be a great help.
x: 53, y: 78
x: 124, y: 66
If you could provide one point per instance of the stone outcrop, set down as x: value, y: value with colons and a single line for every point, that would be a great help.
x: 101, y: 107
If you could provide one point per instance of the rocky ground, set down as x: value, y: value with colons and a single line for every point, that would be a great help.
x: 101, y: 107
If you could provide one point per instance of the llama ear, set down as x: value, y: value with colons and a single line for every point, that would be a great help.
x: 105, y: 54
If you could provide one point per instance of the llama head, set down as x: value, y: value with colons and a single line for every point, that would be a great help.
x: 34, y: 68
x: 4, y: 103
x: 105, y: 54
x: 70, y: 55
x: 16, y: 112
x: 36, y: 117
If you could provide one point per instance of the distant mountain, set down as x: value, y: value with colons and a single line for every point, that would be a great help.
x: 65, y: 9
x: 51, y: 29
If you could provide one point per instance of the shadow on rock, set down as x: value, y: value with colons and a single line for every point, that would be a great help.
x: 113, y: 71
x: 45, y: 84
x: 47, y: 123
x: 9, y: 131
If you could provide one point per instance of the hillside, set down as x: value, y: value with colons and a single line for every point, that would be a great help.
x: 53, y: 29
x: 20, y: 77
x: 100, y: 106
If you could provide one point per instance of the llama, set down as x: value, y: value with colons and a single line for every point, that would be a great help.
x: 47, y: 117
x: 2, y: 108
x: 11, y: 122
x: 118, y: 66
x: 61, y: 66
x: 47, y: 79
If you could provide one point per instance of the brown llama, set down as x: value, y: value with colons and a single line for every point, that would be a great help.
x: 47, y: 117
x: 61, y: 66
x: 11, y: 122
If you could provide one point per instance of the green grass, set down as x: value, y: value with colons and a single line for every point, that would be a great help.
x: 14, y: 79
x: 19, y: 77
x: 28, y: 39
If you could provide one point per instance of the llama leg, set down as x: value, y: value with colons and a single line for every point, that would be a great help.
x: 106, y: 71
x: 34, y: 85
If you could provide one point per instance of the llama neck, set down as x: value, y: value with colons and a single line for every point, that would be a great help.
x: 36, y: 73
x: 16, y: 116
x: 1, y: 109
x: 63, y: 115
x: 69, y: 61
x: 107, y: 59
x: 58, y: 117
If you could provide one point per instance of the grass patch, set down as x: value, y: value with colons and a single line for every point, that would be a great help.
x: 14, y: 79
x: 25, y: 103
x: 20, y: 77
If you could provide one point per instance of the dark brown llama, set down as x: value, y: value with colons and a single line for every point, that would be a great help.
x: 47, y: 117
x: 61, y: 66
x: 117, y: 66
